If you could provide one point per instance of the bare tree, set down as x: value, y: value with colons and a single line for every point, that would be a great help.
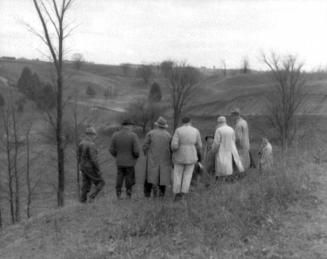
x: 11, y: 146
x: 183, y: 81
x: 166, y: 67
x: 224, y: 67
x: 78, y: 60
x: 287, y: 96
x: 55, y: 30
x: 126, y: 68
x: 245, y: 65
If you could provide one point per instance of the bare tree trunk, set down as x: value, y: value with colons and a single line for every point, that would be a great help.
x: 0, y: 219
x: 6, y: 125
x: 55, y: 45
x: 60, y: 147
x: 16, y: 175
x: 76, y: 139
x: 28, y: 179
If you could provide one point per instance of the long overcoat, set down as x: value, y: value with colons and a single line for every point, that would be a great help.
x: 225, y: 148
x: 243, y: 141
x: 158, y: 156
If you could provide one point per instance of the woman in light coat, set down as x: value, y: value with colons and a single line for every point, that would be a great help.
x: 225, y: 148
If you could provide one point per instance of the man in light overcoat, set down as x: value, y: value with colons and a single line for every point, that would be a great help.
x: 242, y: 138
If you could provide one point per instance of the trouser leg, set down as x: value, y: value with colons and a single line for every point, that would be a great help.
x: 129, y: 180
x: 86, y: 186
x: 99, y: 184
x: 162, y: 190
x: 147, y: 189
x: 178, y: 172
x: 187, y: 176
x: 119, y: 180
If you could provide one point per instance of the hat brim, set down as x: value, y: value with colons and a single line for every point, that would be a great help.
x: 161, y: 125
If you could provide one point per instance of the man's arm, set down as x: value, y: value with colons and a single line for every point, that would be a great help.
x: 216, y: 142
x: 147, y: 143
x: 175, y: 142
x: 198, y: 146
x: 136, y: 146
x: 113, y: 147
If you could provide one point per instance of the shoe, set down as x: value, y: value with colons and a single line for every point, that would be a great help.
x: 178, y: 197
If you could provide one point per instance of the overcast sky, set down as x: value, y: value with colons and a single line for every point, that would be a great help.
x: 201, y: 32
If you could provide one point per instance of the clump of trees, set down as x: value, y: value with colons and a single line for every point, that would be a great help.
x: 146, y: 110
x: 145, y: 72
x: 155, y: 95
x: 42, y: 94
x: 126, y: 69
x: 78, y: 60
x: 287, y: 95
x: 90, y: 91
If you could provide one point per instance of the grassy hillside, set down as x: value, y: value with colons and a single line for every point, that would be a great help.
x: 252, y: 218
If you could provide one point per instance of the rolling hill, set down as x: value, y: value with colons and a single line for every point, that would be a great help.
x: 216, y: 95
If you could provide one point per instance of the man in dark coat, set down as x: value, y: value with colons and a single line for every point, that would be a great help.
x: 125, y: 148
x: 158, y: 159
x: 89, y: 166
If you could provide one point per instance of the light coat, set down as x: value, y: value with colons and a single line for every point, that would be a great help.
x: 186, y: 145
x: 242, y: 141
x: 158, y: 156
x: 225, y: 148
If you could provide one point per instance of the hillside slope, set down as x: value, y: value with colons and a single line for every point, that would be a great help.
x: 216, y: 95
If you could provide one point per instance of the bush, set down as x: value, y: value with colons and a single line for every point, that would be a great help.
x: 90, y: 91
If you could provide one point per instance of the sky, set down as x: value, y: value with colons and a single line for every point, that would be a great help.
x: 199, y: 32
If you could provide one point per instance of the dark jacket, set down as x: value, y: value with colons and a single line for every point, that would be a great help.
x: 125, y: 147
x: 87, y: 155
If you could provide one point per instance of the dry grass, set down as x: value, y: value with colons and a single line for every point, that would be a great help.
x: 224, y: 221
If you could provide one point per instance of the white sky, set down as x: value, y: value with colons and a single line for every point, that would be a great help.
x: 201, y: 32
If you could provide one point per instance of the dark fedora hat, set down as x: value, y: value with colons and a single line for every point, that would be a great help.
x: 161, y: 123
x: 127, y: 122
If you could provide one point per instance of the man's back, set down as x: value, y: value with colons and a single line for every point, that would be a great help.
x: 125, y: 147
x: 242, y: 133
x: 87, y: 154
x: 185, y: 143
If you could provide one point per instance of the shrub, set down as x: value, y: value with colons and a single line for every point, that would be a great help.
x: 90, y: 91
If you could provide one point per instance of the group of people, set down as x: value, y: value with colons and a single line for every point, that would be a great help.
x: 180, y: 158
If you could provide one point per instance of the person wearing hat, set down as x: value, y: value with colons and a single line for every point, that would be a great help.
x: 89, y: 166
x: 186, y: 146
x: 209, y: 159
x: 158, y: 159
x: 242, y: 137
x: 265, y: 155
x: 225, y: 149
x: 125, y: 148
